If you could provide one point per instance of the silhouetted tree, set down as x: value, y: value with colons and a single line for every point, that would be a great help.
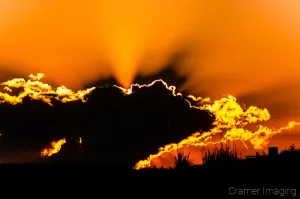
x: 290, y: 153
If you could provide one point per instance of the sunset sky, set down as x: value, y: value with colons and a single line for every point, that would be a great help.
x: 249, y: 49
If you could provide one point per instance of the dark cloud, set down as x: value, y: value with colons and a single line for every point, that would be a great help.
x: 114, y: 127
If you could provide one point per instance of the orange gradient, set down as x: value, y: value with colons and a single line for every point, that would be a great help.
x: 249, y: 49
x: 74, y: 41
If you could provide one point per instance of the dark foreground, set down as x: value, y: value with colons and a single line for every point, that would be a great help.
x: 119, y: 180
x: 221, y: 173
x: 264, y: 167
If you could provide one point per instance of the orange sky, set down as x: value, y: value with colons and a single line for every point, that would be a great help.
x: 249, y: 49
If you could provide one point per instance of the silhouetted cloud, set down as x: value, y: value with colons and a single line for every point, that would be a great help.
x: 114, y: 127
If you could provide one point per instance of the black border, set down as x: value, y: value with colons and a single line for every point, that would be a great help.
x: 110, y: 179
